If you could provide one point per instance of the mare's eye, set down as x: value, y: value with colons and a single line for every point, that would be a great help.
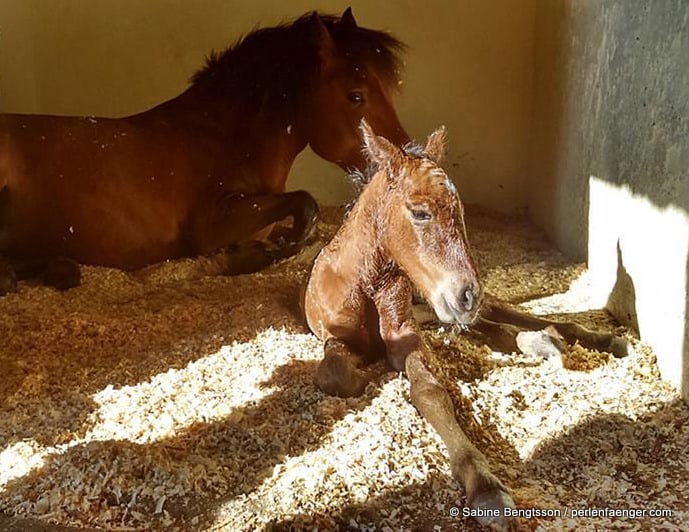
x: 420, y: 215
x: 356, y: 97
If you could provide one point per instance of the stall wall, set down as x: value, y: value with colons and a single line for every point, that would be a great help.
x: 610, y: 157
x: 469, y: 66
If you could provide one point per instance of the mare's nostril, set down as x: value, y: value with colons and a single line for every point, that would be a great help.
x: 468, y: 299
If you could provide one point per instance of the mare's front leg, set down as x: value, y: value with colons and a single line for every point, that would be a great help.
x: 406, y: 351
x: 237, y: 221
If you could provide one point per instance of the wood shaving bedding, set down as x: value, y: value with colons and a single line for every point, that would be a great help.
x: 175, y: 398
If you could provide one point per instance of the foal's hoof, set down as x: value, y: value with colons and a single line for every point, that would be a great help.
x: 489, y: 509
x: 337, y: 376
x: 61, y: 273
x: 546, y: 343
x: 619, y: 347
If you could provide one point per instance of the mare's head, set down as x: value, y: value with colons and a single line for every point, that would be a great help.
x: 315, y: 79
x: 421, y: 219
x: 357, y: 76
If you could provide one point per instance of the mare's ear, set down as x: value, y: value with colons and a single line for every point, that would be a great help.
x: 320, y: 37
x: 347, y: 19
x: 435, y: 145
x: 379, y: 150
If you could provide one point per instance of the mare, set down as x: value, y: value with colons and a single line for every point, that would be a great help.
x: 407, y: 230
x: 203, y: 171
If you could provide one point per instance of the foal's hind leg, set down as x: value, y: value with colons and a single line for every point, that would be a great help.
x: 341, y: 373
x: 500, y: 313
x: 237, y: 221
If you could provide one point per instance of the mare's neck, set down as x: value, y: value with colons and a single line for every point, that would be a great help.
x: 255, y: 144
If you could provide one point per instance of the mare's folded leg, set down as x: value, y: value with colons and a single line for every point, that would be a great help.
x: 341, y: 371
x: 238, y: 218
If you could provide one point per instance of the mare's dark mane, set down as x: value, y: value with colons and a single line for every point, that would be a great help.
x: 270, y: 68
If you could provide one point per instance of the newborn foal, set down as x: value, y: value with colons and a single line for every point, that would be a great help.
x: 406, y: 227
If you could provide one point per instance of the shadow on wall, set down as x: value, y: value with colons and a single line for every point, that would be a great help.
x: 622, y: 298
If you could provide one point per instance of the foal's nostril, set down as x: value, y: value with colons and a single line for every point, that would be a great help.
x: 468, y: 299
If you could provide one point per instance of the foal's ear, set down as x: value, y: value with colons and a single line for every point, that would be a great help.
x: 435, y: 145
x: 320, y: 37
x: 379, y: 150
x: 347, y: 18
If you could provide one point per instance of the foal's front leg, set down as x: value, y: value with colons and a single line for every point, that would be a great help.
x: 237, y: 221
x: 406, y: 351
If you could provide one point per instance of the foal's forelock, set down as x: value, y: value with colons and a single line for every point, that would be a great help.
x: 361, y: 178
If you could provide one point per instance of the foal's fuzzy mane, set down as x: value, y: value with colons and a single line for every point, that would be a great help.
x: 361, y: 178
x: 271, y: 68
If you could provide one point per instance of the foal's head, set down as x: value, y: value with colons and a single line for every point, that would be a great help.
x: 422, y: 225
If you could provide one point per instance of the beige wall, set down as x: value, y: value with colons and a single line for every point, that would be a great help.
x: 469, y: 67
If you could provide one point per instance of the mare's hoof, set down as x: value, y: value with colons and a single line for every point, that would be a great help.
x: 61, y: 273
x: 8, y: 277
x: 489, y: 509
x: 546, y: 343
x: 8, y: 282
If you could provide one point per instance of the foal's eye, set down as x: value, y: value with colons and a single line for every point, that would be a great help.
x: 356, y: 97
x: 420, y: 215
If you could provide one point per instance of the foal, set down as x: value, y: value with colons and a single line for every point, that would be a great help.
x: 406, y: 227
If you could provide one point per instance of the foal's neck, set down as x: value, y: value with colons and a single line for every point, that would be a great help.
x: 361, y: 243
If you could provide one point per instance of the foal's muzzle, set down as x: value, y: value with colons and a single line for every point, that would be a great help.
x: 458, y: 304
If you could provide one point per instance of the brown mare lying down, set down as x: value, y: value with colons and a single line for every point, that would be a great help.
x: 203, y: 171
x: 407, y: 229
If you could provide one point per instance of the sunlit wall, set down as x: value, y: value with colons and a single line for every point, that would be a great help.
x: 610, y: 157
